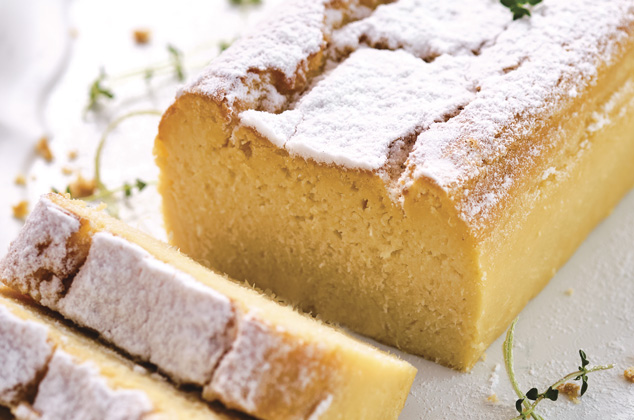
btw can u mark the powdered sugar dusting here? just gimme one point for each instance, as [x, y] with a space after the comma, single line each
[488, 83]
[72, 390]
[150, 309]
[40, 257]
[274, 59]
[427, 28]
[64, 387]
[266, 365]
[526, 75]
[24, 352]
[380, 96]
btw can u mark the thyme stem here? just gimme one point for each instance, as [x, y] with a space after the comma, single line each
[113, 125]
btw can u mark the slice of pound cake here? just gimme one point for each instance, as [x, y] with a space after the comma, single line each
[199, 328]
[49, 371]
[416, 171]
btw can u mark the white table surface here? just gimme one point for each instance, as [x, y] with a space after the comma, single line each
[50, 52]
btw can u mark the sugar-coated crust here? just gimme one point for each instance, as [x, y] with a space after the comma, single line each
[265, 68]
[506, 80]
[43, 255]
[161, 315]
[39, 381]
[24, 354]
[72, 390]
[194, 334]
[266, 366]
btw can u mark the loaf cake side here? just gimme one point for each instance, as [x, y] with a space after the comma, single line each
[75, 377]
[426, 184]
[199, 328]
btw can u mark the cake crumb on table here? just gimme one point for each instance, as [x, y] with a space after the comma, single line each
[628, 374]
[43, 150]
[21, 210]
[72, 154]
[20, 180]
[570, 390]
[142, 36]
[569, 291]
[493, 398]
[82, 187]
[67, 170]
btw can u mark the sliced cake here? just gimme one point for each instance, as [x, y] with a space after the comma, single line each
[199, 328]
[417, 171]
[50, 371]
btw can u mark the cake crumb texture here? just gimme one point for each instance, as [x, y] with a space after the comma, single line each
[43, 150]
[428, 158]
[21, 210]
[197, 327]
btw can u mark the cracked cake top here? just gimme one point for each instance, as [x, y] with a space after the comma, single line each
[447, 92]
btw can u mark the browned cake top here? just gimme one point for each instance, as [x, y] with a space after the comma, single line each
[450, 92]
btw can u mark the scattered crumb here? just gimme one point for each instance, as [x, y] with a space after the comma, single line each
[493, 398]
[569, 291]
[67, 170]
[20, 180]
[82, 187]
[629, 374]
[21, 209]
[33, 177]
[483, 357]
[570, 390]
[72, 154]
[142, 36]
[43, 150]
[101, 206]
[73, 32]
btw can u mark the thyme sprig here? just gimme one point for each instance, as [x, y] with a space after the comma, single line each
[176, 57]
[101, 191]
[520, 8]
[525, 408]
[245, 2]
[98, 92]
[101, 91]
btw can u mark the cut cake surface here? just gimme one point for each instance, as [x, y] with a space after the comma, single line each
[50, 371]
[199, 328]
[416, 170]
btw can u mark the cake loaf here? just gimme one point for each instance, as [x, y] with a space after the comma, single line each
[197, 327]
[416, 171]
[50, 371]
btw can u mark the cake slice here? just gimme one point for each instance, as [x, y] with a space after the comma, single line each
[416, 172]
[50, 371]
[199, 328]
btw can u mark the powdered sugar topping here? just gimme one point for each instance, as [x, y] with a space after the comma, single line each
[381, 96]
[484, 84]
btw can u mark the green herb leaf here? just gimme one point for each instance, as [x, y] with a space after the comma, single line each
[223, 45]
[518, 7]
[177, 61]
[551, 394]
[518, 405]
[245, 2]
[584, 358]
[127, 189]
[584, 387]
[97, 91]
[532, 394]
[140, 184]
